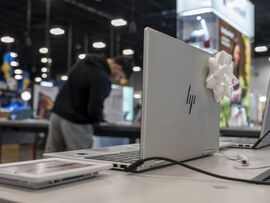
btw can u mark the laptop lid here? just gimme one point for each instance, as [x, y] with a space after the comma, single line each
[265, 141]
[180, 117]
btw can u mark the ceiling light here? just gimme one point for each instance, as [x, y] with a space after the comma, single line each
[44, 60]
[44, 75]
[26, 95]
[136, 68]
[14, 63]
[269, 59]
[18, 77]
[128, 52]
[18, 71]
[44, 70]
[38, 79]
[7, 39]
[57, 31]
[13, 54]
[82, 56]
[262, 98]
[99, 45]
[46, 84]
[64, 77]
[137, 96]
[198, 17]
[43, 50]
[261, 49]
[118, 22]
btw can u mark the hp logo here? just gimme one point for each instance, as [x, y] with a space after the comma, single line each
[190, 99]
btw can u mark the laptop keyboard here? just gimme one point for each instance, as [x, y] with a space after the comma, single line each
[124, 157]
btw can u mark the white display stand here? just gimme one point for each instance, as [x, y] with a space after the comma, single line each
[171, 184]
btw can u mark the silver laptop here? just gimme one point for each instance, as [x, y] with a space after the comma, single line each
[180, 119]
[254, 143]
[49, 172]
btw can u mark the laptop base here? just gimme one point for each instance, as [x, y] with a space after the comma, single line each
[46, 184]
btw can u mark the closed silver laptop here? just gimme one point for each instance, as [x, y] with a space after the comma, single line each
[180, 119]
[43, 173]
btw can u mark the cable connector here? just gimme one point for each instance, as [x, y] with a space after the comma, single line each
[134, 166]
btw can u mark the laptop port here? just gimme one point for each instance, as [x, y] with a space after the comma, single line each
[122, 166]
[82, 153]
[241, 145]
[247, 145]
[114, 165]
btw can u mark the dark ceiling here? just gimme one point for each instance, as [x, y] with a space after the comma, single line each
[89, 21]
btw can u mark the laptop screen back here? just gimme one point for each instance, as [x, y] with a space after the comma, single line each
[180, 117]
[266, 121]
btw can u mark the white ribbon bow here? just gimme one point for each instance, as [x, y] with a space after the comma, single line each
[221, 78]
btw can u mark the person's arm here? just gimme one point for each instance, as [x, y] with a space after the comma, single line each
[100, 89]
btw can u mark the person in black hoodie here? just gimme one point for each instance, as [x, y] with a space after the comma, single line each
[79, 103]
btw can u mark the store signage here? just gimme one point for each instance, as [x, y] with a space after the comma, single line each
[239, 6]
[226, 36]
[190, 99]
[237, 13]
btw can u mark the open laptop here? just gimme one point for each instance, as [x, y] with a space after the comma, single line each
[48, 172]
[254, 143]
[180, 118]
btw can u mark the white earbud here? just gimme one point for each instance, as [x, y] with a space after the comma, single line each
[243, 159]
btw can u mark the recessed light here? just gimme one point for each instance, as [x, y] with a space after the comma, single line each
[57, 31]
[128, 52]
[262, 98]
[44, 75]
[99, 45]
[44, 60]
[14, 63]
[18, 71]
[198, 17]
[18, 77]
[64, 77]
[26, 95]
[43, 50]
[7, 39]
[81, 56]
[136, 68]
[38, 79]
[137, 96]
[13, 54]
[44, 70]
[261, 49]
[118, 22]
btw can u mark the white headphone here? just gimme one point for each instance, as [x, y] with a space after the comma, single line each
[242, 162]
[242, 159]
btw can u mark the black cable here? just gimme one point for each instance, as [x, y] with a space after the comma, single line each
[135, 165]
[260, 140]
